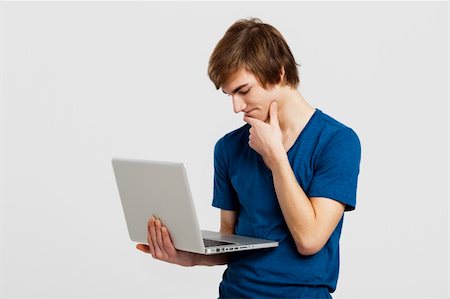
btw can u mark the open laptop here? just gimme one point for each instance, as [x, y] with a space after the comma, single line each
[148, 188]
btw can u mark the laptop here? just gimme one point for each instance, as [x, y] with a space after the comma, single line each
[148, 188]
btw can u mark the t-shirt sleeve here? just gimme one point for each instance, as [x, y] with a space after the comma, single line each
[337, 169]
[225, 196]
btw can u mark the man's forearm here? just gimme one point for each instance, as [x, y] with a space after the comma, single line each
[297, 209]
[311, 221]
[212, 260]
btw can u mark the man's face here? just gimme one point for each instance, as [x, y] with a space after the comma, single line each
[249, 96]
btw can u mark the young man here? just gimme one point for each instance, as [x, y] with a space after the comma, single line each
[288, 175]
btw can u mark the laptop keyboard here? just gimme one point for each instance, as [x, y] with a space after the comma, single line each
[212, 243]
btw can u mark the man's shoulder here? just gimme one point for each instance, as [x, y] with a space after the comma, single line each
[330, 123]
[236, 135]
[333, 129]
[232, 142]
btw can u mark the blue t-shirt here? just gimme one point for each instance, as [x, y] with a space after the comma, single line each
[325, 160]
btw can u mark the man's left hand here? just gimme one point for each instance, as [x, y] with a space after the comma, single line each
[266, 137]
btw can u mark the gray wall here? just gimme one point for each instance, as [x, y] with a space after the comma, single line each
[82, 82]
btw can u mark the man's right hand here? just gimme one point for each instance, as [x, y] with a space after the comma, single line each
[160, 246]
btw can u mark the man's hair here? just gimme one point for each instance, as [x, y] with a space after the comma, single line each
[257, 47]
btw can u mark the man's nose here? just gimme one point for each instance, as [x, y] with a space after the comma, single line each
[238, 104]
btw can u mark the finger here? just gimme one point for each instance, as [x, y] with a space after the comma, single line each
[170, 249]
[159, 239]
[143, 247]
[155, 242]
[274, 113]
[251, 137]
[251, 121]
[149, 236]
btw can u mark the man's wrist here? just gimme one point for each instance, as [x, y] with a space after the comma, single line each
[278, 160]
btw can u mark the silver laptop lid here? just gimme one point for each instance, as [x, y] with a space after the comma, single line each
[158, 188]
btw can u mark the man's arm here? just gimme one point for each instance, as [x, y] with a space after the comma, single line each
[160, 245]
[311, 221]
[227, 222]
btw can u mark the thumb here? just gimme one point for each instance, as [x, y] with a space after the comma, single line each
[274, 113]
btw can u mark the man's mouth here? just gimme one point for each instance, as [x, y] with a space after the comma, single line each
[247, 113]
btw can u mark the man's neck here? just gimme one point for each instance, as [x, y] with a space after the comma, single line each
[293, 112]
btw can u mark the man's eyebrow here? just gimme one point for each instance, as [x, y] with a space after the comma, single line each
[236, 89]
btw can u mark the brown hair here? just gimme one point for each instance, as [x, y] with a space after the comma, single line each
[259, 48]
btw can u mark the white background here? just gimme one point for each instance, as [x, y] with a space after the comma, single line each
[83, 82]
